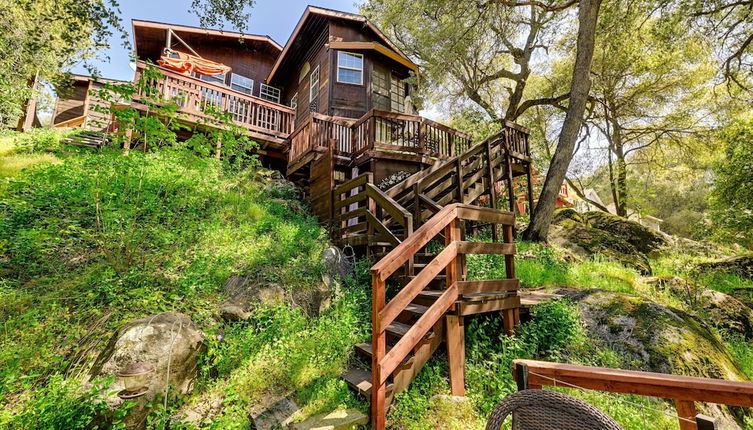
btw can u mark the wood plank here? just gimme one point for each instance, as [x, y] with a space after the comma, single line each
[385, 232]
[418, 283]
[355, 182]
[398, 256]
[486, 248]
[456, 353]
[496, 216]
[489, 286]
[686, 413]
[398, 213]
[403, 347]
[350, 200]
[651, 384]
[471, 308]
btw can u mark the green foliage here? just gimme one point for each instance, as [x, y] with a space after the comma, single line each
[732, 198]
[64, 404]
[103, 236]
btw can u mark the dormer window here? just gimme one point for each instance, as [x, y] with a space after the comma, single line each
[349, 68]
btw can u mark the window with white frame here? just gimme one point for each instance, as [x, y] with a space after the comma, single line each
[242, 84]
[215, 79]
[349, 68]
[314, 85]
[294, 101]
[270, 93]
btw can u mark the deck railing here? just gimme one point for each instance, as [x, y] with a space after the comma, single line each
[684, 390]
[449, 260]
[195, 96]
[407, 133]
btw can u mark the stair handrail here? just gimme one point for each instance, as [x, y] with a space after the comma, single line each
[383, 314]
[421, 175]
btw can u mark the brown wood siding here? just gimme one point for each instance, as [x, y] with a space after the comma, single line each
[70, 103]
[317, 55]
[248, 58]
[98, 117]
[322, 182]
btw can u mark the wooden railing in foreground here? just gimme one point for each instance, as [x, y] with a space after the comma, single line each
[684, 390]
[193, 96]
[451, 261]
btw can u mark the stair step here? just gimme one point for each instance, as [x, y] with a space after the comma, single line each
[416, 309]
[474, 297]
[400, 329]
[360, 381]
[366, 350]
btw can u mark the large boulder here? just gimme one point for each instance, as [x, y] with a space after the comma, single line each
[741, 265]
[722, 310]
[244, 292]
[169, 341]
[655, 338]
[590, 233]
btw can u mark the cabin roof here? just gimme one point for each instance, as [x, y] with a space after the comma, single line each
[314, 16]
[154, 25]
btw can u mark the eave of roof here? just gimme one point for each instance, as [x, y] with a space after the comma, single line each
[198, 30]
[332, 14]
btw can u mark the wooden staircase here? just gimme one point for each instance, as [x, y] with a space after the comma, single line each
[435, 295]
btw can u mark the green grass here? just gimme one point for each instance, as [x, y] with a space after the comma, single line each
[100, 233]
[17, 154]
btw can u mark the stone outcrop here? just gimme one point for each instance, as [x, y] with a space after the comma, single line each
[616, 238]
[722, 310]
[169, 341]
[655, 338]
[741, 265]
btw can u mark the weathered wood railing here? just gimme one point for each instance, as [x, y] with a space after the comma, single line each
[684, 390]
[363, 214]
[314, 134]
[466, 177]
[407, 133]
[194, 96]
[451, 262]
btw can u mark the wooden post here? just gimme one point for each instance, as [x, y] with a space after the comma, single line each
[492, 190]
[529, 179]
[686, 411]
[510, 190]
[512, 316]
[218, 147]
[454, 323]
[378, 345]
[459, 174]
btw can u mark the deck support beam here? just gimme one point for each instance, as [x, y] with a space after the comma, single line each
[456, 353]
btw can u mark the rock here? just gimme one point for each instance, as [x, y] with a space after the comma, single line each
[655, 338]
[244, 292]
[586, 242]
[169, 341]
[723, 310]
[275, 185]
[741, 265]
[275, 414]
[642, 238]
[337, 266]
[343, 419]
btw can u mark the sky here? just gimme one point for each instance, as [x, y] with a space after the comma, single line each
[275, 18]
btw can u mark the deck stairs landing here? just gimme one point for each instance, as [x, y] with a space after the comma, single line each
[416, 231]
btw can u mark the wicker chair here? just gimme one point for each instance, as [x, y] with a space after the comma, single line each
[545, 410]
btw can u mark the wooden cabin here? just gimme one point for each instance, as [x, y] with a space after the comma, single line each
[77, 105]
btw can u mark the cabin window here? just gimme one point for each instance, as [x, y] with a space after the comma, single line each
[270, 93]
[294, 101]
[241, 83]
[380, 84]
[397, 95]
[349, 68]
[215, 79]
[314, 85]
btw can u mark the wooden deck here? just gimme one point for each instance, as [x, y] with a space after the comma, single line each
[265, 121]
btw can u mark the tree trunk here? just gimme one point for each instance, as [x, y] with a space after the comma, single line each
[580, 86]
[621, 191]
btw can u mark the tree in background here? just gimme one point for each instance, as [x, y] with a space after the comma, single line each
[483, 53]
[652, 81]
[732, 196]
